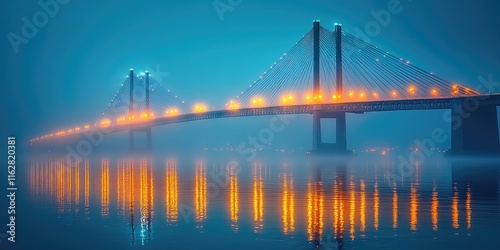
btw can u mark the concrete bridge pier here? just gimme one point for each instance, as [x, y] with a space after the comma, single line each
[340, 145]
[147, 140]
[474, 129]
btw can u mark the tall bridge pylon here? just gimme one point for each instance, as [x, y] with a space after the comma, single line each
[340, 144]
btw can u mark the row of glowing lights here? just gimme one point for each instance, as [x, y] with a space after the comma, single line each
[120, 121]
[289, 99]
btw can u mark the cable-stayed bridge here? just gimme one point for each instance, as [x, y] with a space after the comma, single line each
[326, 74]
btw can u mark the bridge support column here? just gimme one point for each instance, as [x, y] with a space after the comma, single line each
[134, 143]
[134, 146]
[474, 132]
[340, 146]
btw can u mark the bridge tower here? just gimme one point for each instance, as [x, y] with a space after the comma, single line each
[474, 131]
[340, 146]
[135, 129]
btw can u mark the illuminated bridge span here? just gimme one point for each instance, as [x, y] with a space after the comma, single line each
[326, 74]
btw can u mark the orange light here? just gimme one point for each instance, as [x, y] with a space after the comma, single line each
[351, 94]
[105, 122]
[315, 98]
[288, 100]
[434, 92]
[86, 127]
[257, 102]
[198, 108]
[394, 93]
[171, 112]
[362, 95]
[233, 105]
[147, 115]
[375, 94]
[411, 90]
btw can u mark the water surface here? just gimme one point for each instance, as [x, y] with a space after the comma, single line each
[166, 202]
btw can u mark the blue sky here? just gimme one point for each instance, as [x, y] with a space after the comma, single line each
[68, 72]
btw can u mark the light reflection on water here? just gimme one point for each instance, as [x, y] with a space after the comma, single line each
[296, 204]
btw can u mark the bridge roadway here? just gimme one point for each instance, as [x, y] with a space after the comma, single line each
[348, 107]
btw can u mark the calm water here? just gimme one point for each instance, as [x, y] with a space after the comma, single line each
[283, 203]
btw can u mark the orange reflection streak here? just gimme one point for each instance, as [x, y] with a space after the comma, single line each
[119, 185]
[105, 187]
[395, 207]
[454, 207]
[233, 198]
[34, 178]
[49, 180]
[130, 178]
[69, 189]
[44, 182]
[123, 179]
[315, 212]
[338, 209]
[52, 181]
[375, 206]
[60, 186]
[77, 186]
[86, 188]
[352, 208]
[435, 209]
[31, 179]
[171, 191]
[413, 208]
[468, 209]
[362, 209]
[42, 179]
[201, 192]
[288, 204]
[146, 199]
[258, 197]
